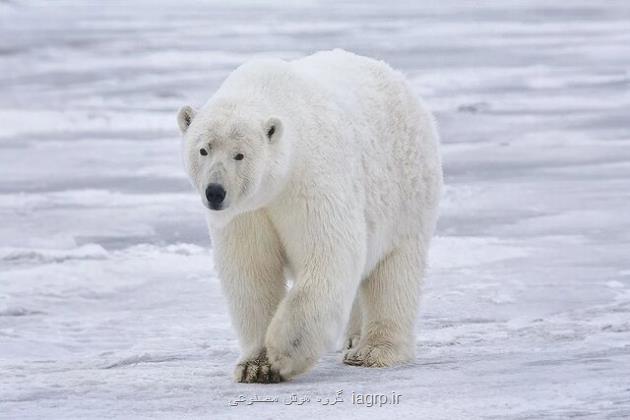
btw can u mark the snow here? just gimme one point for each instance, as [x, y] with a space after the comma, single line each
[109, 303]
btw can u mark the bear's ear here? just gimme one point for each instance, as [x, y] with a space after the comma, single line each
[185, 117]
[273, 129]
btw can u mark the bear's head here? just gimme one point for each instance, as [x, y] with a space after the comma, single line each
[235, 156]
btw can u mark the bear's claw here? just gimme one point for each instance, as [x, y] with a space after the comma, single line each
[257, 370]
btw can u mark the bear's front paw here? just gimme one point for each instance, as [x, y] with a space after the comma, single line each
[257, 370]
[290, 361]
[376, 355]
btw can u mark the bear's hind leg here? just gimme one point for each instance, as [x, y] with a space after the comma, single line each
[390, 298]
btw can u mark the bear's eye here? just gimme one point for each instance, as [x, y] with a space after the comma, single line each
[271, 130]
[239, 156]
[203, 152]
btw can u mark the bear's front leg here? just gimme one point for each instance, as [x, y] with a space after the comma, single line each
[250, 263]
[310, 318]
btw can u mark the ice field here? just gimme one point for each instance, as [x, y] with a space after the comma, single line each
[109, 302]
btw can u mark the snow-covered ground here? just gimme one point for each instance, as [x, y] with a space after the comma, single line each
[109, 303]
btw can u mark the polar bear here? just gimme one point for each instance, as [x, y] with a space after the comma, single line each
[321, 179]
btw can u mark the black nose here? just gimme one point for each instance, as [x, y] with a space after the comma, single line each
[215, 193]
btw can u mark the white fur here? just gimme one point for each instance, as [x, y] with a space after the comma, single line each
[342, 199]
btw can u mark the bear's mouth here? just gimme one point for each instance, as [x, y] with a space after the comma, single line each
[214, 206]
